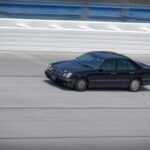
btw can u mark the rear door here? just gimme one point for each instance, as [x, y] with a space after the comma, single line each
[126, 71]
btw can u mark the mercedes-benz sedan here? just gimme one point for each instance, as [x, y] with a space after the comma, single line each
[100, 70]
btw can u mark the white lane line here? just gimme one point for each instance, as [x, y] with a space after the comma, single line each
[23, 25]
[65, 29]
[114, 28]
[56, 26]
[85, 27]
[145, 29]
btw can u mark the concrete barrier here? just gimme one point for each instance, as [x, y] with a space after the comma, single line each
[73, 36]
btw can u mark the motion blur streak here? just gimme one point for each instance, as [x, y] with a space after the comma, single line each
[74, 36]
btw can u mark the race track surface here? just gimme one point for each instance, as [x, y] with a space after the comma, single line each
[37, 114]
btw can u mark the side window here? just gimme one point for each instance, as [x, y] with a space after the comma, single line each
[124, 65]
[109, 65]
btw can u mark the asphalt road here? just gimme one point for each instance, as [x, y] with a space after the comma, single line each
[36, 114]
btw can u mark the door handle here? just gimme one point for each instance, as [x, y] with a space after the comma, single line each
[113, 73]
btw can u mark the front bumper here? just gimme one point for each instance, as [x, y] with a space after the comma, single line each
[67, 82]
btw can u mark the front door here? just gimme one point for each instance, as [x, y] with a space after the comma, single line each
[104, 77]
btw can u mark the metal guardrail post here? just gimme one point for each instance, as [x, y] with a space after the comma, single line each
[84, 15]
[125, 11]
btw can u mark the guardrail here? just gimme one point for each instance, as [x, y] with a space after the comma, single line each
[73, 36]
[74, 11]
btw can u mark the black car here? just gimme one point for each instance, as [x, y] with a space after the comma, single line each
[100, 70]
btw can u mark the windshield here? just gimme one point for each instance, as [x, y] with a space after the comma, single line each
[89, 60]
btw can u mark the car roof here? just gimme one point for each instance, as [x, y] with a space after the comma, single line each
[107, 55]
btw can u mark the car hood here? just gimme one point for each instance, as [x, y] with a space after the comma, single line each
[70, 66]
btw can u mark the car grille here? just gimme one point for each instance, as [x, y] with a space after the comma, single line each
[57, 72]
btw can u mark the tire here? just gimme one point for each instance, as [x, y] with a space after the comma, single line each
[135, 85]
[81, 84]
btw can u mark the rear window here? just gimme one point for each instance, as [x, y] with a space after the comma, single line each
[124, 65]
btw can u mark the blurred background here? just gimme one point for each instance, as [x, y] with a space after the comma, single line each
[75, 25]
[99, 10]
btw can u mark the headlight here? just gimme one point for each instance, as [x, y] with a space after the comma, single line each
[64, 75]
[50, 67]
[68, 75]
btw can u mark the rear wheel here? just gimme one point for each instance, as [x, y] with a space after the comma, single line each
[135, 85]
[81, 84]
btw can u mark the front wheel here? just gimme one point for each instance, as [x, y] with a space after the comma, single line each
[135, 85]
[81, 84]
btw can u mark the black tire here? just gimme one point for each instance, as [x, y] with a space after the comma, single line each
[81, 84]
[135, 85]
